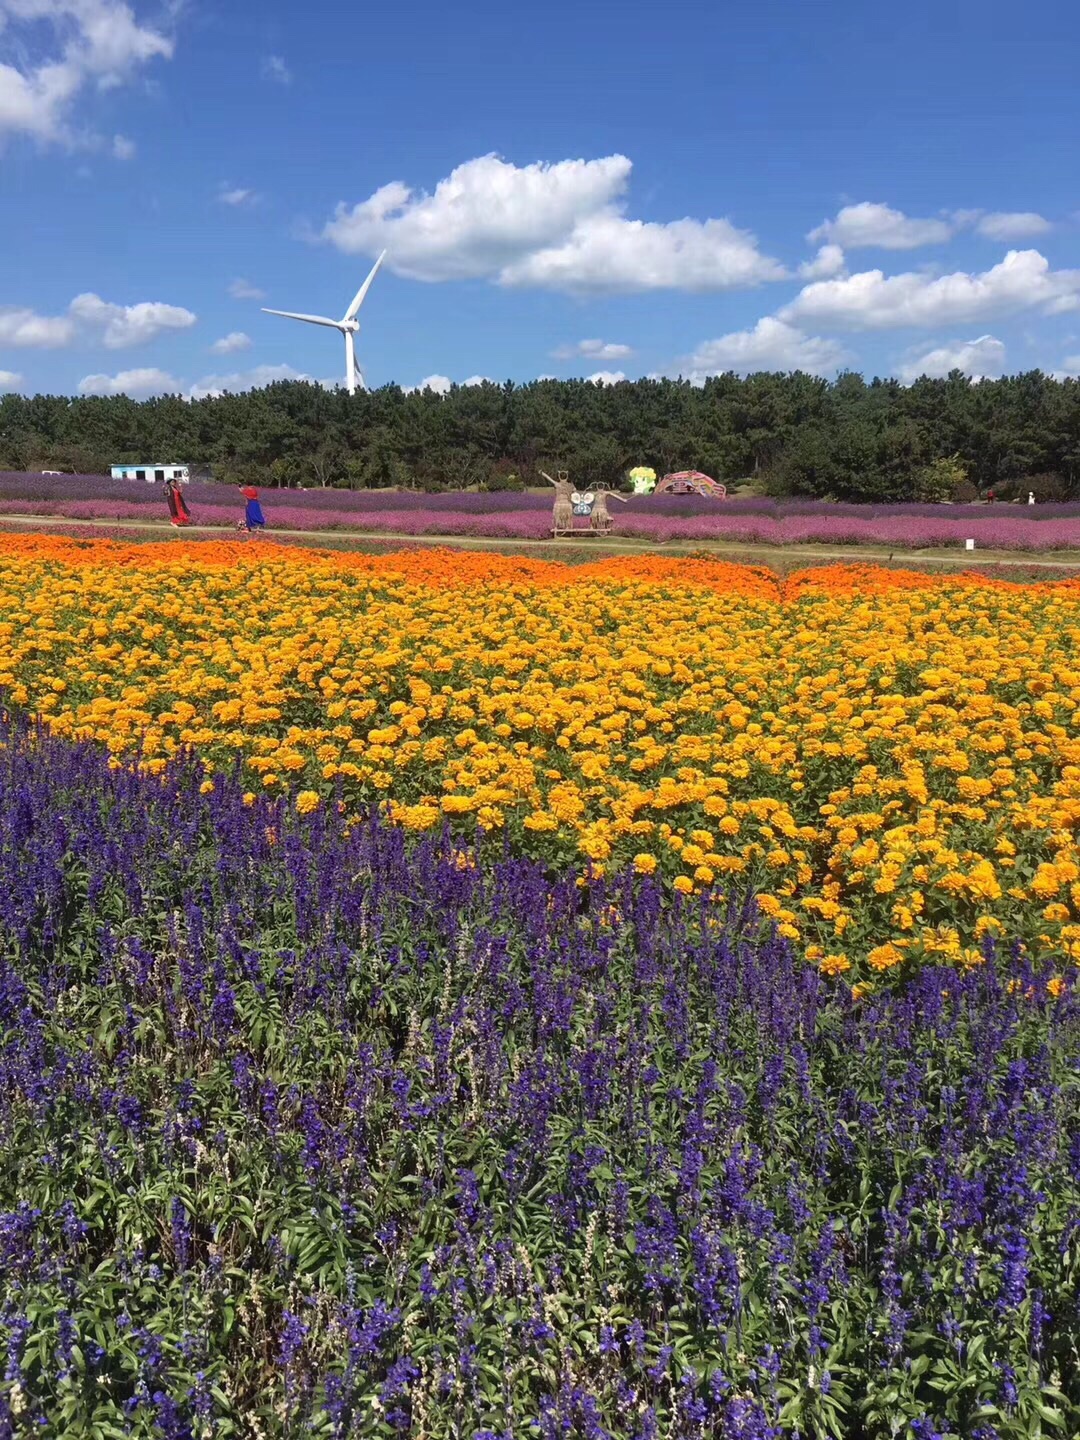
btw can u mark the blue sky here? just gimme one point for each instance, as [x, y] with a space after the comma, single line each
[563, 190]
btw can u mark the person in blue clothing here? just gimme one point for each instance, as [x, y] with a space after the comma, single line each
[254, 519]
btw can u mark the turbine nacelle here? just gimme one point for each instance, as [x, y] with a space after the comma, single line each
[348, 326]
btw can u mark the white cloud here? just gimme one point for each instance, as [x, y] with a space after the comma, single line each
[58, 49]
[25, 328]
[984, 357]
[560, 226]
[150, 381]
[239, 381]
[124, 325]
[476, 380]
[828, 262]
[592, 350]
[607, 253]
[484, 215]
[879, 227]
[870, 300]
[274, 68]
[236, 195]
[606, 377]
[229, 344]
[136, 383]
[1012, 225]
[123, 148]
[90, 317]
[9, 380]
[440, 384]
[771, 345]
[244, 290]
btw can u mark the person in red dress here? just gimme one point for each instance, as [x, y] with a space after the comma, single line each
[174, 498]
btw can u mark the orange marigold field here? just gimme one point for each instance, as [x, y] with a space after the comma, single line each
[891, 760]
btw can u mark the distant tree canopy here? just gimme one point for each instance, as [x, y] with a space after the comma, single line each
[848, 439]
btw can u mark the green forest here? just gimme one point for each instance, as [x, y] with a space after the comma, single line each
[847, 439]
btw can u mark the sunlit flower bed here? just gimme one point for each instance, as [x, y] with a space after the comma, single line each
[310, 1128]
[891, 763]
[505, 515]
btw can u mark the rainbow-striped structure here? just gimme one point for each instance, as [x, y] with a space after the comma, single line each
[691, 482]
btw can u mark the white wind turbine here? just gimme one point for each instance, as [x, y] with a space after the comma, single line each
[348, 325]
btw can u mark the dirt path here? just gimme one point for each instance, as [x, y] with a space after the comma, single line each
[746, 553]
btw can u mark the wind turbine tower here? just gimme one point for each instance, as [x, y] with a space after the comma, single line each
[348, 325]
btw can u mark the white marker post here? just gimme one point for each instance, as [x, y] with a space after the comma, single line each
[969, 544]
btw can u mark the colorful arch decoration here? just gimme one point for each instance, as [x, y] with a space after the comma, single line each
[691, 482]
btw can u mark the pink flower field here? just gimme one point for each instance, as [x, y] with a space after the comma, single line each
[528, 516]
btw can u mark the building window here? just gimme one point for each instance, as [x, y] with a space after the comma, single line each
[140, 474]
[159, 474]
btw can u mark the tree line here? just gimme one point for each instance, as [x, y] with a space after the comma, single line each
[848, 439]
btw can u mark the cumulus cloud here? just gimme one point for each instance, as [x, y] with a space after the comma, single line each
[607, 253]
[89, 318]
[124, 325]
[138, 384]
[235, 195]
[771, 345]
[592, 350]
[476, 380]
[23, 327]
[828, 261]
[123, 148]
[439, 384]
[9, 380]
[150, 381]
[558, 226]
[274, 68]
[241, 380]
[606, 377]
[59, 49]
[229, 344]
[1012, 225]
[244, 290]
[870, 300]
[981, 358]
[872, 226]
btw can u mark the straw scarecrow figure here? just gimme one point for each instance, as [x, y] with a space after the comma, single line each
[600, 519]
[562, 517]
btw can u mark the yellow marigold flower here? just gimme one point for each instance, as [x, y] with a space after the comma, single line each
[683, 884]
[1056, 986]
[306, 801]
[645, 864]
[540, 820]
[249, 797]
[884, 957]
[1056, 911]
[206, 788]
[834, 964]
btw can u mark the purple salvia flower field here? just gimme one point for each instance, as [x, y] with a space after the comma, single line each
[312, 1129]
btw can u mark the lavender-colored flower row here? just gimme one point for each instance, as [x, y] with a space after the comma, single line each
[1002, 529]
[29, 487]
[302, 1123]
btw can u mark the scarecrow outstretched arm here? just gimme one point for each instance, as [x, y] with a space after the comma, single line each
[548, 478]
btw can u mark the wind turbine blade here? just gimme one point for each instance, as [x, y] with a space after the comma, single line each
[311, 319]
[358, 298]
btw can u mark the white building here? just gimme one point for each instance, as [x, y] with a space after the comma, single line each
[151, 473]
